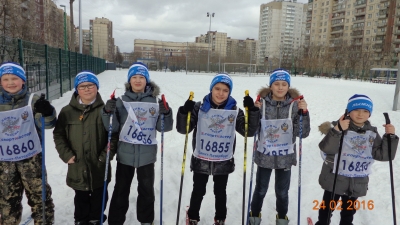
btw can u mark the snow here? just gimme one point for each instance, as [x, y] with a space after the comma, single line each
[326, 98]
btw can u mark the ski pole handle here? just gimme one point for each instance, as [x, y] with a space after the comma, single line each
[42, 96]
[300, 110]
[113, 95]
[258, 98]
[164, 101]
[246, 93]
[191, 96]
[386, 117]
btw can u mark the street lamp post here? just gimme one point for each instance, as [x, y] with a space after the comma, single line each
[80, 27]
[65, 28]
[209, 40]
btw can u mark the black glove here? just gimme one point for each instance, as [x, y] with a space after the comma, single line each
[162, 109]
[189, 106]
[249, 103]
[111, 104]
[43, 106]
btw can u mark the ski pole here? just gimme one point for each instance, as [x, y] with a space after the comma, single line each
[107, 162]
[42, 97]
[391, 169]
[184, 160]
[300, 153]
[337, 169]
[246, 129]
[251, 173]
[162, 156]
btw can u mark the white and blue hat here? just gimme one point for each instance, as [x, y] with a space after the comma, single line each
[12, 68]
[86, 76]
[222, 78]
[138, 68]
[279, 74]
[359, 102]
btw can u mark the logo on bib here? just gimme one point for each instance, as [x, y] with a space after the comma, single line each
[140, 115]
[152, 111]
[216, 125]
[231, 118]
[10, 125]
[371, 140]
[271, 133]
[284, 127]
[24, 115]
[358, 144]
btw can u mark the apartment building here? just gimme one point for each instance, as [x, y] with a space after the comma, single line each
[281, 28]
[372, 24]
[102, 38]
[154, 49]
[222, 45]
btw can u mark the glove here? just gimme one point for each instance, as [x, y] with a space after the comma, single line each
[189, 106]
[43, 106]
[249, 103]
[162, 108]
[111, 105]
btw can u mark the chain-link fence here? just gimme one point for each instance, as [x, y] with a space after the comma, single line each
[48, 70]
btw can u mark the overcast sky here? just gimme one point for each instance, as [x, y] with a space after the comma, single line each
[171, 20]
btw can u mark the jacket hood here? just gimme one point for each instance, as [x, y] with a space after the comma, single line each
[151, 87]
[326, 126]
[20, 95]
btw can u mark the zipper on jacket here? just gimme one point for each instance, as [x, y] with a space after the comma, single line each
[212, 167]
[84, 111]
[277, 109]
[12, 101]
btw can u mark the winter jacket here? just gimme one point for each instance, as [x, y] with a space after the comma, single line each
[280, 110]
[86, 139]
[14, 101]
[221, 167]
[350, 186]
[136, 155]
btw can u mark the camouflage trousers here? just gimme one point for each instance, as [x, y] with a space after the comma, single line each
[17, 177]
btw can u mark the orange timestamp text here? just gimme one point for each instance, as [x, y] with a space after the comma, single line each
[352, 205]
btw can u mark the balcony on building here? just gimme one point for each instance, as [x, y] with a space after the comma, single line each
[382, 24]
[397, 22]
[378, 41]
[396, 41]
[380, 33]
[356, 27]
[397, 32]
[357, 34]
[359, 12]
[339, 8]
[337, 30]
[360, 4]
[398, 5]
[377, 58]
[383, 1]
[378, 50]
[397, 49]
[337, 24]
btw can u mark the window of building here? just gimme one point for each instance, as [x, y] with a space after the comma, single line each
[320, 24]
[324, 36]
[375, 31]
[323, 4]
[348, 13]
[324, 30]
[325, 23]
[347, 20]
[326, 16]
[327, 3]
[367, 39]
[371, 0]
[368, 24]
[369, 16]
[371, 7]
[349, 5]
[367, 31]
[346, 27]
[345, 35]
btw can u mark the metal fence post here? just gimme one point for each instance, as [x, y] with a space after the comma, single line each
[46, 55]
[60, 69]
[21, 53]
[69, 70]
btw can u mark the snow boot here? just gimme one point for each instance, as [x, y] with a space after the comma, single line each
[94, 222]
[219, 222]
[255, 220]
[83, 222]
[193, 222]
[284, 221]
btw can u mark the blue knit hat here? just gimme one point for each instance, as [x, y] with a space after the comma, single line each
[86, 76]
[138, 68]
[222, 78]
[279, 74]
[359, 102]
[12, 68]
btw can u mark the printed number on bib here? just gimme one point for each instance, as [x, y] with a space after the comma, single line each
[215, 146]
[16, 149]
[277, 152]
[139, 136]
[355, 166]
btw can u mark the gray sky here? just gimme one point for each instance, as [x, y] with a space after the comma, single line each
[171, 20]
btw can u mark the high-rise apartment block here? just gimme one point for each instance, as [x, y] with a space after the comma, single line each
[102, 38]
[281, 28]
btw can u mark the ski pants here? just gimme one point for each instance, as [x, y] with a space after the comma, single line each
[199, 190]
[282, 184]
[17, 177]
[88, 204]
[347, 209]
[120, 199]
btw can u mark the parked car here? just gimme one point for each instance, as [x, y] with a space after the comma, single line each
[336, 75]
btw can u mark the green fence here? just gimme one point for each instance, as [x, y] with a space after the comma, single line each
[48, 70]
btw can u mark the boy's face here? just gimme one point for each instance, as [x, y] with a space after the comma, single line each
[11, 83]
[279, 89]
[138, 83]
[87, 91]
[219, 93]
[359, 116]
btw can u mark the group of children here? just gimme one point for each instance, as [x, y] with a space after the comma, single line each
[81, 139]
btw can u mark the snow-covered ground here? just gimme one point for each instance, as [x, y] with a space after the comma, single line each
[326, 99]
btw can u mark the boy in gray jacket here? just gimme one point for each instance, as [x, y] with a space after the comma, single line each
[361, 145]
[137, 117]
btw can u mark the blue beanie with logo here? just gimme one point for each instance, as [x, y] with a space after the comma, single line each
[279, 74]
[12, 68]
[86, 76]
[360, 102]
[139, 68]
[222, 78]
